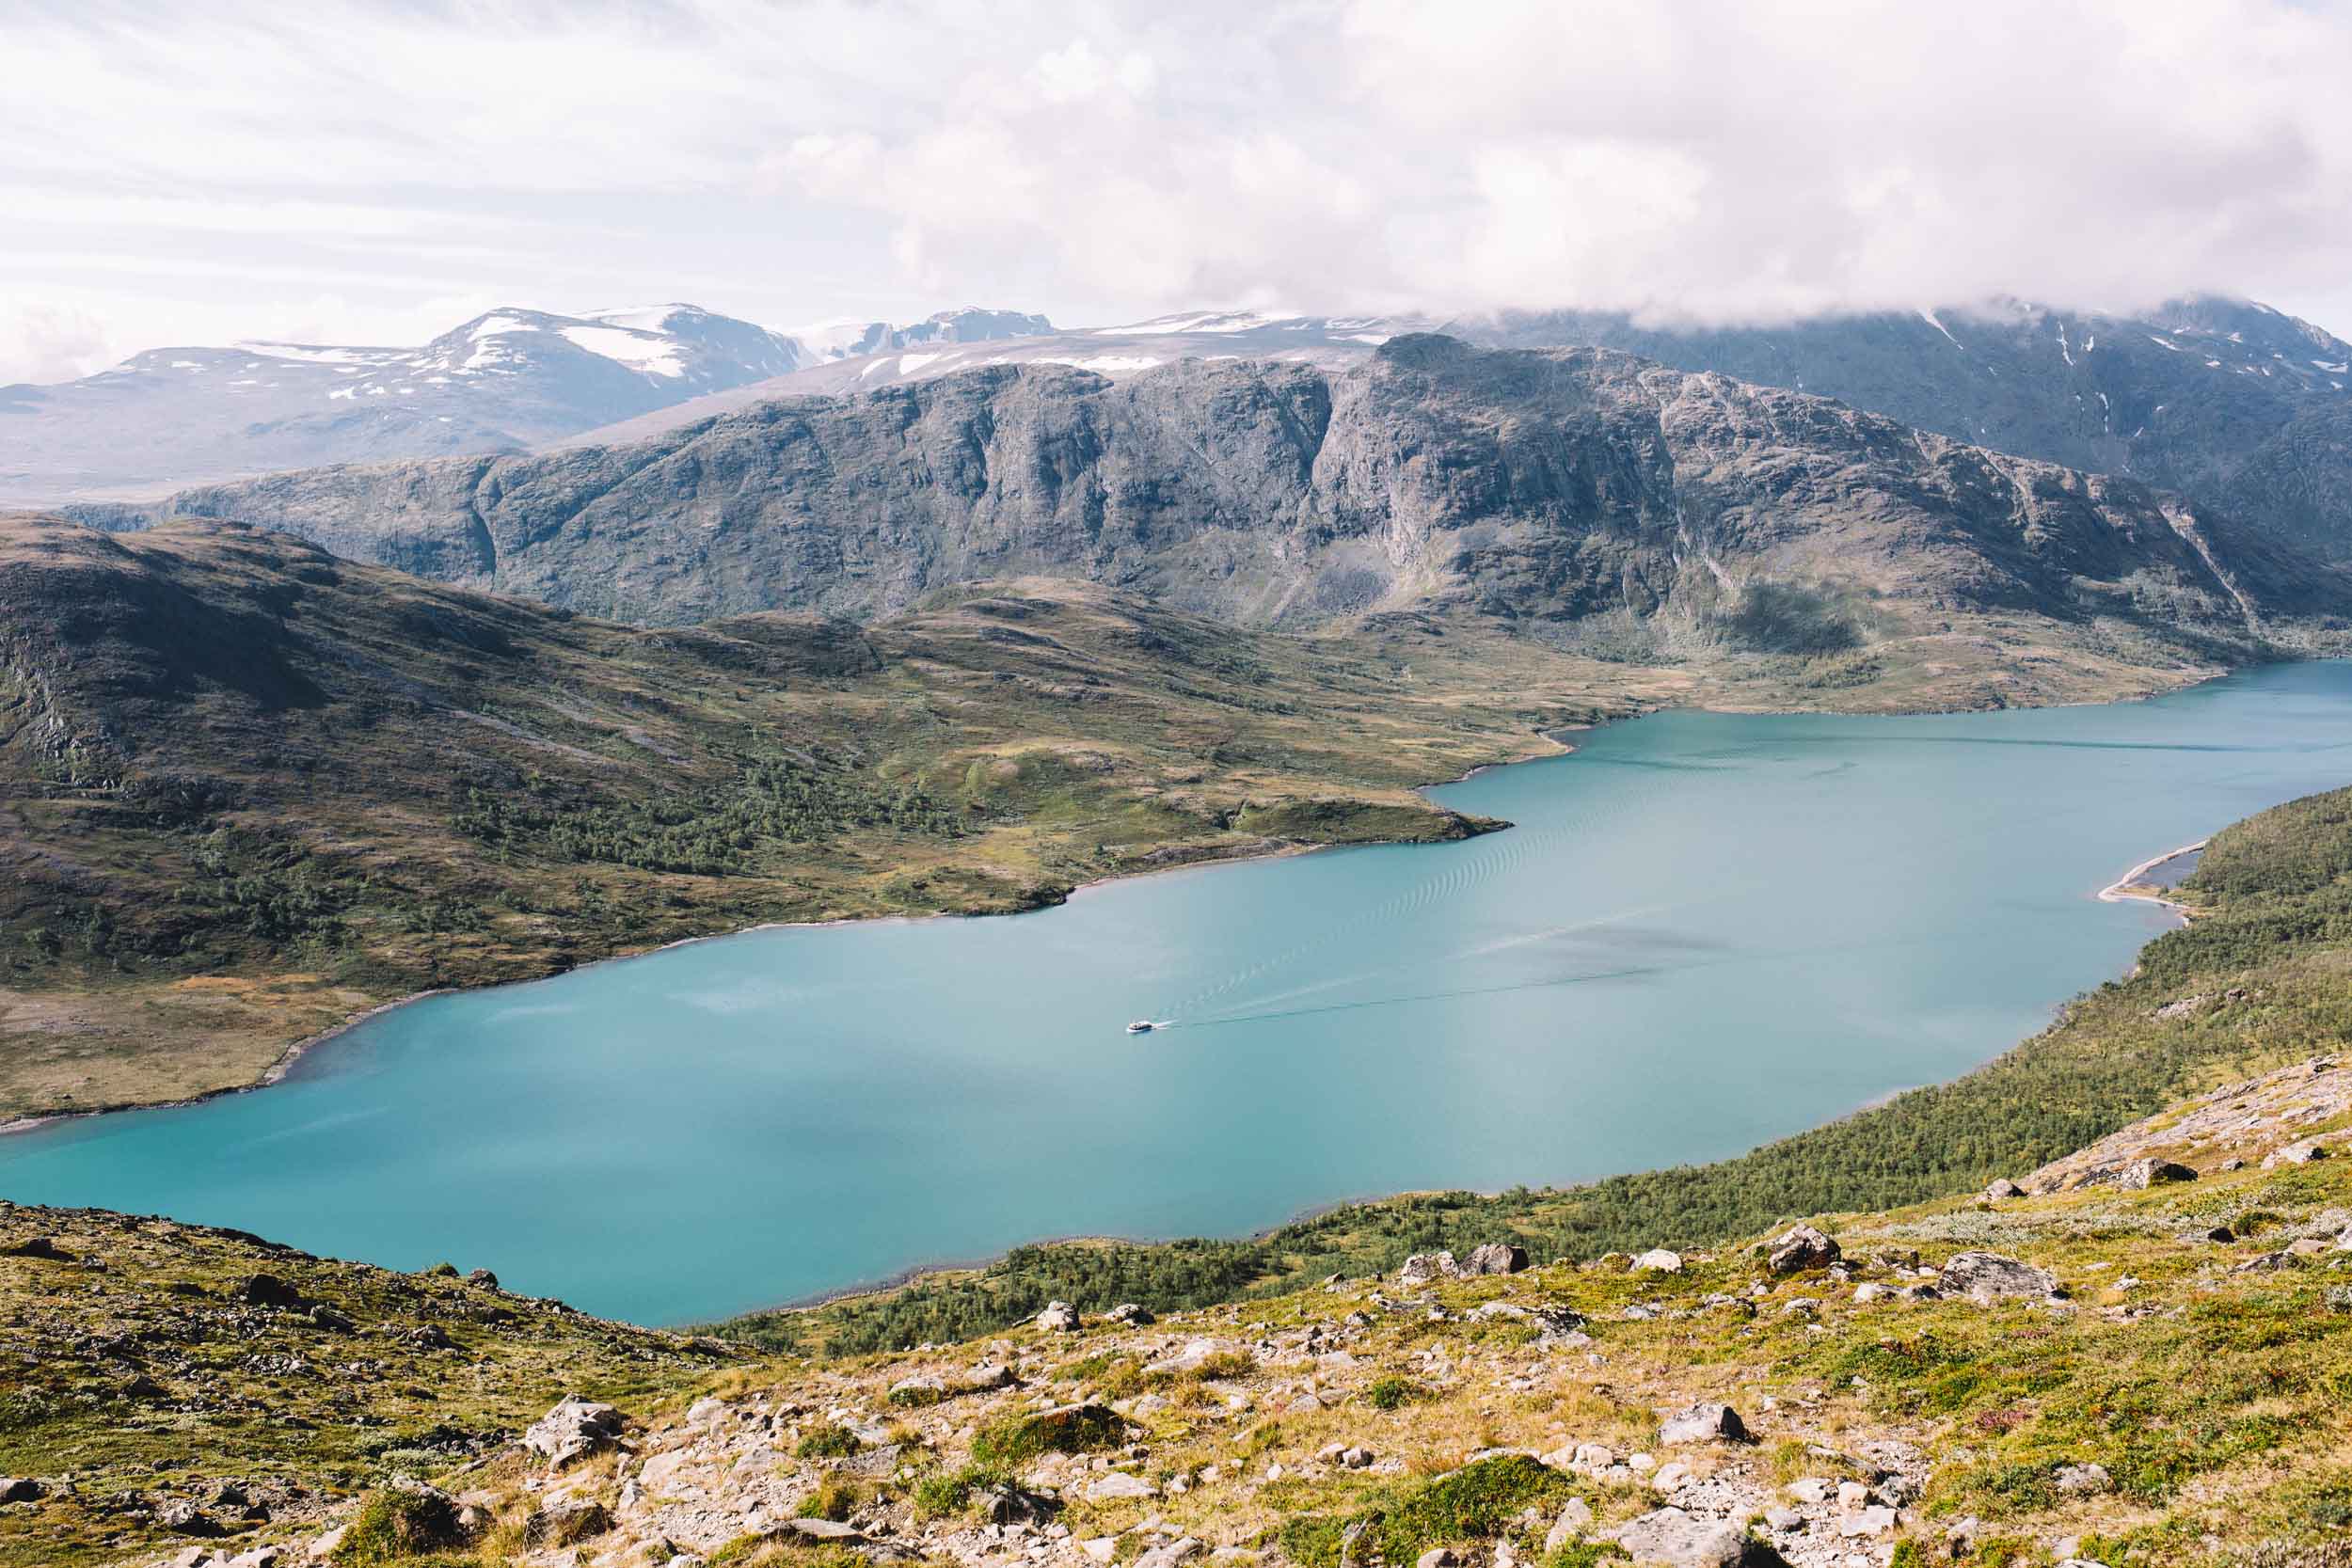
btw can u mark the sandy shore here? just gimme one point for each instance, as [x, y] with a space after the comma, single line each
[2119, 890]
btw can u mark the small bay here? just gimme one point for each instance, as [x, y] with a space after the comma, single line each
[1705, 931]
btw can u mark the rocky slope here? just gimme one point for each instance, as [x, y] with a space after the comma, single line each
[2110, 1375]
[1581, 492]
[2236, 405]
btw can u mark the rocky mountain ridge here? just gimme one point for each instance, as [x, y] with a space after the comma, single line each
[1551, 488]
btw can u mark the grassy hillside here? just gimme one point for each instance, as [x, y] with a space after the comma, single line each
[248, 790]
[155, 1368]
[2170, 1391]
[2270, 952]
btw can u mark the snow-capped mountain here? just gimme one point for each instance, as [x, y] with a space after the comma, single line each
[508, 379]
[822, 343]
[868, 360]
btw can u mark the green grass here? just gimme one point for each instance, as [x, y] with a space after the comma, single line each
[1476, 1504]
[1016, 1440]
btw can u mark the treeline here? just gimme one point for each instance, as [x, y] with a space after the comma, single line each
[775, 797]
[2274, 892]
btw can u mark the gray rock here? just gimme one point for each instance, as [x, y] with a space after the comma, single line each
[1426, 1268]
[1576, 1517]
[1657, 1260]
[2299, 1154]
[1120, 1486]
[21, 1489]
[1496, 1258]
[2082, 1479]
[2004, 1188]
[1127, 1313]
[1985, 1277]
[1182, 1549]
[1059, 1317]
[2142, 1174]
[1877, 1519]
[1704, 1423]
[563, 1521]
[185, 1517]
[573, 1430]
[1803, 1247]
[1672, 1537]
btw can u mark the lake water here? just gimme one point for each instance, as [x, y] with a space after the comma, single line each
[1706, 931]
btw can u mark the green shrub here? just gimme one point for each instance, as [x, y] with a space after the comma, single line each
[1395, 1393]
[1474, 1503]
[827, 1441]
[836, 1499]
[396, 1526]
[1073, 1429]
[942, 1493]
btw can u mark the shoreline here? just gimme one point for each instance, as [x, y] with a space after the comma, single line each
[2119, 890]
[280, 1069]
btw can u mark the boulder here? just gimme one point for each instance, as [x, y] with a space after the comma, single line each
[482, 1278]
[2301, 1153]
[1182, 1549]
[1426, 1268]
[2082, 1479]
[1127, 1313]
[2004, 1188]
[268, 1290]
[561, 1521]
[1795, 1250]
[1576, 1517]
[21, 1489]
[1704, 1423]
[573, 1430]
[37, 1247]
[1657, 1260]
[185, 1517]
[1496, 1258]
[1672, 1537]
[1120, 1486]
[1878, 1519]
[1059, 1317]
[2142, 1174]
[1985, 1277]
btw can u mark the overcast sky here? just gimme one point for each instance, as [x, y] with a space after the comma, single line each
[177, 174]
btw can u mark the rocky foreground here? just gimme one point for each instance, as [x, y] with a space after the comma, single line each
[2134, 1355]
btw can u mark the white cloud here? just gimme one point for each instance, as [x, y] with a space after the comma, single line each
[1721, 158]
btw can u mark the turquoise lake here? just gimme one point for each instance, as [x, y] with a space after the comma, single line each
[1706, 931]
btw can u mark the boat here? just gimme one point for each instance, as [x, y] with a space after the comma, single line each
[1140, 1026]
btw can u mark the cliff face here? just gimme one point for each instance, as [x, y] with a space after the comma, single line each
[1543, 485]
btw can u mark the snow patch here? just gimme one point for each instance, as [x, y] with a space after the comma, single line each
[641, 352]
[1929, 317]
[643, 318]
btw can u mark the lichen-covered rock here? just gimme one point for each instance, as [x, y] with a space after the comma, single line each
[2142, 1174]
[573, 1430]
[1985, 1277]
[1426, 1268]
[1704, 1423]
[1496, 1258]
[563, 1521]
[1672, 1537]
[1803, 1247]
